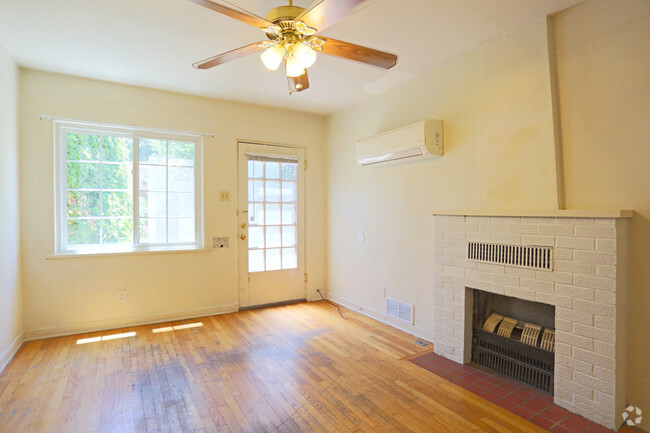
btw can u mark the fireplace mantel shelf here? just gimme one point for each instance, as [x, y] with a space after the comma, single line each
[561, 213]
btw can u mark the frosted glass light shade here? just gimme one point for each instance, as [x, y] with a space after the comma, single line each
[272, 57]
[304, 55]
[293, 67]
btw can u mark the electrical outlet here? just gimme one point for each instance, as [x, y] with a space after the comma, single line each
[382, 291]
[121, 296]
[220, 242]
[225, 195]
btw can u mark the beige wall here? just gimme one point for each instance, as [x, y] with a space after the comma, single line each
[603, 54]
[11, 321]
[65, 295]
[499, 153]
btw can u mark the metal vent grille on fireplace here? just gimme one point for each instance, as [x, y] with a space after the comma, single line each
[524, 256]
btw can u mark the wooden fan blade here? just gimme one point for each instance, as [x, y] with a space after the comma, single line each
[248, 18]
[357, 53]
[298, 84]
[328, 12]
[228, 56]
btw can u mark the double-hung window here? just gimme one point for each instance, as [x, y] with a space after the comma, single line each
[120, 190]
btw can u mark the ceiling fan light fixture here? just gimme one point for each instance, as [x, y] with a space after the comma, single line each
[272, 57]
[304, 55]
[291, 33]
[293, 67]
[316, 43]
[272, 30]
[302, 28]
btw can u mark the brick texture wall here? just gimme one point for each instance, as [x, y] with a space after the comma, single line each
[587, 286]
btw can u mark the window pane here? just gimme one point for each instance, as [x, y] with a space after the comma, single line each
[83, 204]
[273, 214]
[255, 169]
[255, 214]
[273, 237]
[288, 214]
[288, 191]
[99, 189]
[167, 185]
[273, 170]
[289, 171]
[256, 237]
[152, 230]
[181, 204]
[255, 260]
[93, 186]
[83, 232]
[153, 178]
[273, 261]
[152, 204]
[152, 151]
[288, 236]
[255, 190]
[181, 179]
[117, 149]
[289, 258]
[272, 190]
[181, 154]
[117, 203]
[116, 176]
[83, 175]
[181, 230]
[117, 230]
[82, 147]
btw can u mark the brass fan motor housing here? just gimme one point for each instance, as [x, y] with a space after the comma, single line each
[283, 13]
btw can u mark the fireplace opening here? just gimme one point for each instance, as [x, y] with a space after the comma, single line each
[515, 338]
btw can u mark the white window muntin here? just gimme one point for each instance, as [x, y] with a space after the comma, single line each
[264, 202]
[62, 128]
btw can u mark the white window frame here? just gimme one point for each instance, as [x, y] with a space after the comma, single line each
[61, 128]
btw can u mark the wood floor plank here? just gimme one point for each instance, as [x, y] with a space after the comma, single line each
[295, 368]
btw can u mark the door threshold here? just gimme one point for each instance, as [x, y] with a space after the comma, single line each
[273, 304]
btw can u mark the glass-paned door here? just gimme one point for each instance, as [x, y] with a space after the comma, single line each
[272, 222]
[271, 228]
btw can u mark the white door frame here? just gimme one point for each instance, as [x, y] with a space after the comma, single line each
[270, 150]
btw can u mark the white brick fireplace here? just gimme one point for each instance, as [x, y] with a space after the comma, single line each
[587, 285]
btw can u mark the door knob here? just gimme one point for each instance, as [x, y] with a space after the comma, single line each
[243, 236]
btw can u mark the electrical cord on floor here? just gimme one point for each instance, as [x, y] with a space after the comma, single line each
[333, 303]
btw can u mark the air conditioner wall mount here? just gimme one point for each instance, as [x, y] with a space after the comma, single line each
[421, 140]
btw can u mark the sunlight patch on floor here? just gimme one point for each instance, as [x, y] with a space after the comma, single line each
[177, 327]
[106, 337]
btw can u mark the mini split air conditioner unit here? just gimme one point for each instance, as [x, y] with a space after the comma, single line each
[422, 140]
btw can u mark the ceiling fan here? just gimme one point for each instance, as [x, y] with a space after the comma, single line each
[292, 39]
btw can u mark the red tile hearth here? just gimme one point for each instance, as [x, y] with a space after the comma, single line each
[529, 403]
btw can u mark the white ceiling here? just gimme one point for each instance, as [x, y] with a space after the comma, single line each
[153, 43]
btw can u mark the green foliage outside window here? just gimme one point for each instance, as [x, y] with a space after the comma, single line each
[99, 172]
[99, 189]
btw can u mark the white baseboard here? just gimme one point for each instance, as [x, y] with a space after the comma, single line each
[123, 322]
[382, 317]
[10, 351]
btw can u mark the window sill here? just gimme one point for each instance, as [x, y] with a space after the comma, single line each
[71, 255]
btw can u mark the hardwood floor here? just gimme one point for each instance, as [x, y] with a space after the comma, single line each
[294, 368]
